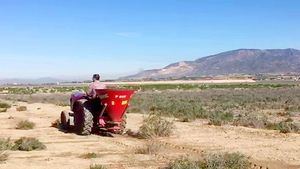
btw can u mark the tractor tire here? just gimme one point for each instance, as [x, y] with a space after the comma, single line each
[83, 118]
[64, 118]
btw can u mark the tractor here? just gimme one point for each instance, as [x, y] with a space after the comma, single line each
[105, 113]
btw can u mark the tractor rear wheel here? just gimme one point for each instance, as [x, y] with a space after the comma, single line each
[83, 118]
[64, 118]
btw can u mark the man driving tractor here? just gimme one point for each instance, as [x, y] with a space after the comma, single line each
[91, 92]
[96, 84]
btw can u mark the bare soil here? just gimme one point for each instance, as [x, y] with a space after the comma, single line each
[265, 147]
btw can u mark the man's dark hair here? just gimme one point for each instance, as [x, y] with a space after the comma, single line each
[96, 76]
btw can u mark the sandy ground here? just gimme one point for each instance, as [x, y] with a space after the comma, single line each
[266, 148]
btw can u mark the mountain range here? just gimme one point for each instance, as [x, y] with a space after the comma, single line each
[241, 61]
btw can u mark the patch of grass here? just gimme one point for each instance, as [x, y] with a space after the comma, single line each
[155, 126]
[28, 144]
[213, 161]
[97, 166]
[21, 108]
[5, 144]
[89, 155]
[149, 148]
[3, 156]
[25, 125]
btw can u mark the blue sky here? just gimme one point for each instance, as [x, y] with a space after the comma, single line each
[69, 38]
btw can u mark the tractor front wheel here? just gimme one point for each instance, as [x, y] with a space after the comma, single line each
[83, 118]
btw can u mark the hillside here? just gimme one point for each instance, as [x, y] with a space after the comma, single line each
[241, 61]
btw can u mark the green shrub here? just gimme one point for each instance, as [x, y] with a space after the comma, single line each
[155, 126]
[25, 125]
[28, 144]
[2, 110]
[97, 166]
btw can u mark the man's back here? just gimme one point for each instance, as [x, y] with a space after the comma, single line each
[93, 86]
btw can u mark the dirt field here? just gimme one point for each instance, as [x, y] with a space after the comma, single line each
[266, 147]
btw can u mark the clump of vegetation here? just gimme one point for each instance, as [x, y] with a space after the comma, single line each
[219, 118]
[28, 144]
[185, 163]
[3, 156]
[21, 108]
[155, 126]
[227, 161]
[97, 166]
[252, 120]
[2, 110]
[5, 144]
[89, 155]
[4, 107]
[150, 148]
[25, 125]
[213, 161]
[288, 127]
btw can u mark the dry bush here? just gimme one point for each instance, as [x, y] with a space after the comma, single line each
[150, 148]
[213, 161]
[155, 126]
[88, 155]
[97, 166]
[21, 108]
[25, 125]
[4, 107]
[2, 110]
[28, 144]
